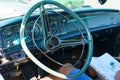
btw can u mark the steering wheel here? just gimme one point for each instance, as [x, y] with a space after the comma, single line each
[52, 42]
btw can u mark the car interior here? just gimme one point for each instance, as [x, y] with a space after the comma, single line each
[45, 38]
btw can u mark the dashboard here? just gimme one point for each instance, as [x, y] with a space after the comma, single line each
[104, 25]
[96, 19]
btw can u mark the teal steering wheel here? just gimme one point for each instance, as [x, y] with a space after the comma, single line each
[57, 43]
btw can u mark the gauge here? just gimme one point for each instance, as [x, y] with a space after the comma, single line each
[16, 29]
[36, 31]
[7, 32]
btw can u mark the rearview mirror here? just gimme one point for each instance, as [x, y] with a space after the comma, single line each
[102, 1]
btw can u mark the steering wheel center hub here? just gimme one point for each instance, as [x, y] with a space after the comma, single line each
[52, 42]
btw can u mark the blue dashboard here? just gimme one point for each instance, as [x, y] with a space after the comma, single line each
[96, 20]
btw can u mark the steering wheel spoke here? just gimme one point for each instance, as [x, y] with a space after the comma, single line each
[43, 21]
[65, 43]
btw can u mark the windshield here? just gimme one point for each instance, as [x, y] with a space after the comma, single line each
[13, 8]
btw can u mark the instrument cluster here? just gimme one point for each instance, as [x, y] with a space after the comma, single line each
[10, 34]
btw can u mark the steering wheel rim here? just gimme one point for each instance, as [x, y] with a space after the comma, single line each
[37, 62]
